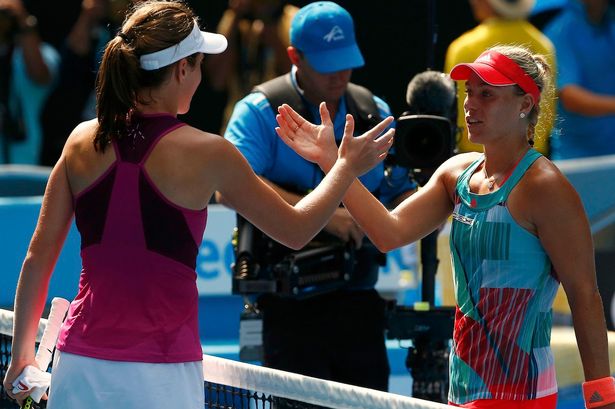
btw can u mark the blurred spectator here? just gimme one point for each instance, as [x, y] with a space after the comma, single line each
[206, 98]
[502, 22]
[72, 100]
[584, 39]
[544, 11]
[257, 31]
[27, 70]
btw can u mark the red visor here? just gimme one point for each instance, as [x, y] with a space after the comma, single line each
[498, 70]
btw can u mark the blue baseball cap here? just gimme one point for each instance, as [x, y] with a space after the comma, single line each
[324, 33]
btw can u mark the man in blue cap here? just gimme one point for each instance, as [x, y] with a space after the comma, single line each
[337, 335]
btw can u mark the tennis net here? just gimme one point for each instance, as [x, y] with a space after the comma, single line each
[229, 384]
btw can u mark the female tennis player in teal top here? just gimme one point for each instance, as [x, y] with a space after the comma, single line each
[518, 231]
[138, 182]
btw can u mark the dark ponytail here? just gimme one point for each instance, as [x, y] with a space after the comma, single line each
[115, 91]
[150, 27]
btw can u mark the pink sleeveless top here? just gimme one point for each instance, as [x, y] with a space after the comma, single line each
[137, 298]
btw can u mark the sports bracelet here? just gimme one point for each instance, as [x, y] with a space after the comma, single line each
[599, 392]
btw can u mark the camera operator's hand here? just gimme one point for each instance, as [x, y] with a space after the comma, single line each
[27, 39]
[241, 8]
[80, 39]
[343, 226]
[16, 9]
[94, 10]
[316, 143]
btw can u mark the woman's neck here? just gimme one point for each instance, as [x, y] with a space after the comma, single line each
[159, 101]
[500, 161]
[153, 108]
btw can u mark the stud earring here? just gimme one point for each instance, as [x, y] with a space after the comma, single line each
[522, 115]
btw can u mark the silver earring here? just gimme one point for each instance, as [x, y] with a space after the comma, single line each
[522, 115]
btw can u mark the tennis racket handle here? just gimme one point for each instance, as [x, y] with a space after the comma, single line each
[37, 394]
[59, 306]
[30, 404]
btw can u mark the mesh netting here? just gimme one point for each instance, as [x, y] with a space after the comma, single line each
[229, 384]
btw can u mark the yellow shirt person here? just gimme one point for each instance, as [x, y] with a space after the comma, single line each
[497, 31]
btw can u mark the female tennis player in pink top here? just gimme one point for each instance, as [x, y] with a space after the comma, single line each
[138, 182]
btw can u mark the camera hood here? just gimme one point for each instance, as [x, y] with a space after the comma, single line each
[423, 141]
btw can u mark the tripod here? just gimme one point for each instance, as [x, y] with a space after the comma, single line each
[430, 330]
[427, 359]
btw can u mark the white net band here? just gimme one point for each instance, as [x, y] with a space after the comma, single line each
[276, 383]
[304, 388]
[6, 324]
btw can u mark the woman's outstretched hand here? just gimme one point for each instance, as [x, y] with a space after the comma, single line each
[316, 143]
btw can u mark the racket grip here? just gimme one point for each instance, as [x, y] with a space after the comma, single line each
[59, 306]
[30, 404]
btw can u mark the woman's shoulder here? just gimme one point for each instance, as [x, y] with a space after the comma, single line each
[544, 195]
[82, 137]
[199, 146]
[448, 173]
[543, 171]
[544, 181]
[460, 162]
[84, 163]
[84, 129]
[194, 139]
[192, 159]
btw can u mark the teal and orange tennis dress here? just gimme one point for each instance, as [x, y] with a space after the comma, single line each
[504, 289]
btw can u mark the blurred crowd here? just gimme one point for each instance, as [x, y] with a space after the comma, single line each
[49, 53]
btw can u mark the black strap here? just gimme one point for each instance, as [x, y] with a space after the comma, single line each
[359, 101]
[361, 105]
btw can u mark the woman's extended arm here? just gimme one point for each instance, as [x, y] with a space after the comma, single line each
[47, 241]
[295, 226]
[413, 219]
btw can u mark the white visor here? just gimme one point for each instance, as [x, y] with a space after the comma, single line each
[197, 42]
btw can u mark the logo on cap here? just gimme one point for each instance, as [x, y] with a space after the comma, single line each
[335, 34]
[487, 58]
[324, 32]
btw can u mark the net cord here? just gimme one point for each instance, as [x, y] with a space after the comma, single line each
[304, 388]
[6, 324]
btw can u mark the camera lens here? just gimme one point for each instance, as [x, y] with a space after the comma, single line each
[427, 141]
[423, 141]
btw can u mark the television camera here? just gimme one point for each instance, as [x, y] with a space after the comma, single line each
[264, 266]
[422, 143]
[426, 134]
